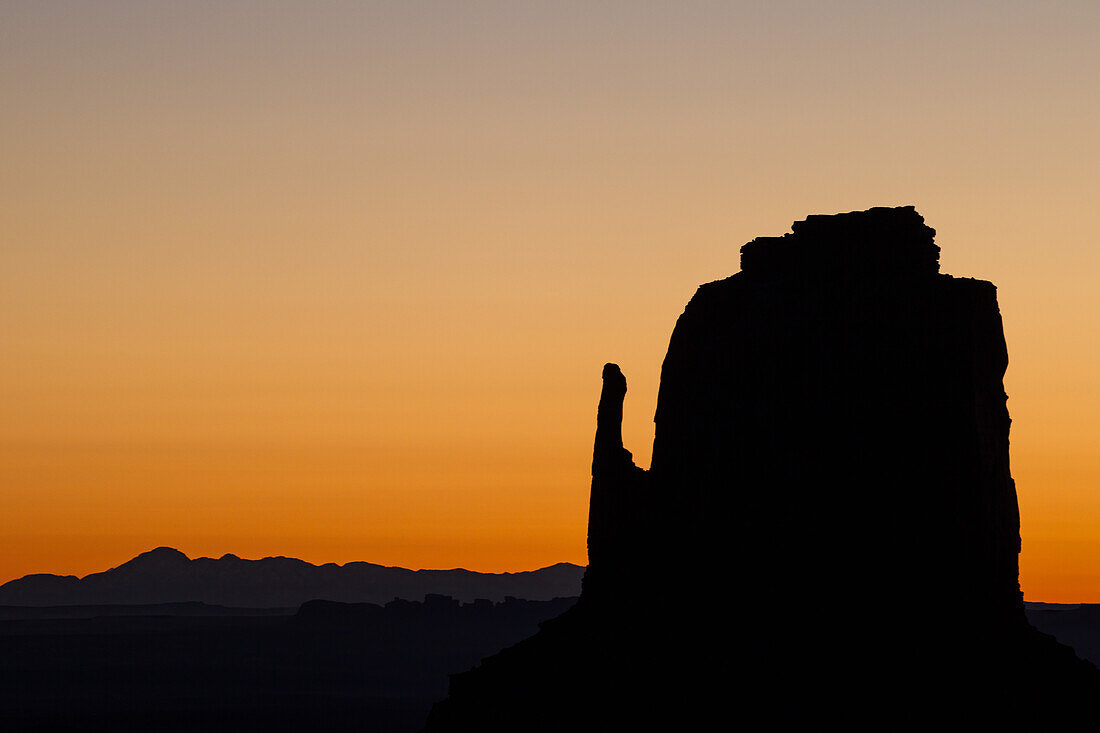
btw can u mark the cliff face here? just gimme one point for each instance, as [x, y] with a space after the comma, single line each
[831, 423]
[831, 433]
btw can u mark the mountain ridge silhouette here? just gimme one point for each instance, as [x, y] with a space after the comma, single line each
[166, 575]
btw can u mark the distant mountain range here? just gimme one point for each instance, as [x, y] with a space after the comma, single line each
[165, 575]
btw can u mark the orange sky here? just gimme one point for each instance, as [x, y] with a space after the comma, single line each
[336, 279]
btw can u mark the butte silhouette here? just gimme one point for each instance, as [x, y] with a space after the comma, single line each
[829, 529]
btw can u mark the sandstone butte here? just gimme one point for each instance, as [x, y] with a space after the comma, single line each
[829, 507]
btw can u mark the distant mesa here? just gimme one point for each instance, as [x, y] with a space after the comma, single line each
[166, 575]
[831, 435]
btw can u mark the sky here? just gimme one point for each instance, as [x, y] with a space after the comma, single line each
[336, 280]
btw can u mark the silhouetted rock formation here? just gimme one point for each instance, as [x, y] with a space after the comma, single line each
[617, 490]
[831, 428]
[165, 575]
[836, 410]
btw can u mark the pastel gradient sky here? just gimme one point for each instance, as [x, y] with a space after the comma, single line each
[336, 280]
